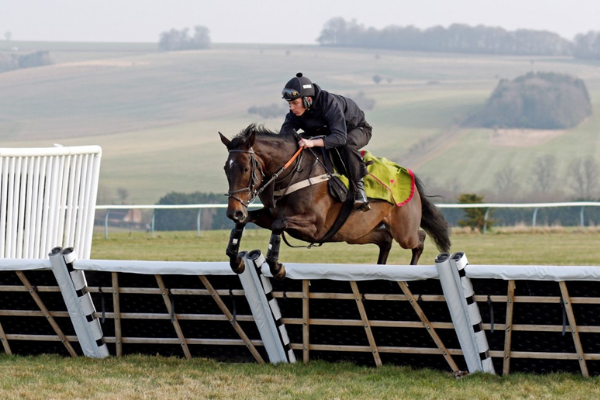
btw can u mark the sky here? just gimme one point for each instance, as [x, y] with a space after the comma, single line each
[277, 21]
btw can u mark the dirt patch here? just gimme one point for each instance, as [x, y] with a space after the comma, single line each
[522, 137]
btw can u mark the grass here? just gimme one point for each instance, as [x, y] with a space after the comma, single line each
[156, 115]
[144, 377]
[149, 377]
[520, 245]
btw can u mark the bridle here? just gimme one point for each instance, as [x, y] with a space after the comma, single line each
[254, 192]
[254, 166]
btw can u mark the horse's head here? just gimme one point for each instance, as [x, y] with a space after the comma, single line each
[244, 174]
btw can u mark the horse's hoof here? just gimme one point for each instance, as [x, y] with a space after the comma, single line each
[238, 265]
[281, 274]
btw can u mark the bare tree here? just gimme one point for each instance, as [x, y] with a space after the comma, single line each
[123, 194]
[506, 185]
[543, 174]
[583, 177]
[7, 35]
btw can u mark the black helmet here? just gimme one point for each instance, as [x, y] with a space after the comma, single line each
[299, 86]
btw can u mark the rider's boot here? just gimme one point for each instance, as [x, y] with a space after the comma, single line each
[361, 202]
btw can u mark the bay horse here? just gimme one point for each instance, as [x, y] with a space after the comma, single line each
[261, 163]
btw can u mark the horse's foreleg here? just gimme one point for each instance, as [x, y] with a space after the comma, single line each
[233, 247]
[260, 217]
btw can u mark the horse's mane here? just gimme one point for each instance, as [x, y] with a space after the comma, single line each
[261, 132]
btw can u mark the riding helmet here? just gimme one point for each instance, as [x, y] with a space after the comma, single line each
[298, 86]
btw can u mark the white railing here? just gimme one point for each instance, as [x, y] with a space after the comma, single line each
[487, 206]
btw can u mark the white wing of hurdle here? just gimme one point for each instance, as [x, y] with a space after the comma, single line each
[47, 199]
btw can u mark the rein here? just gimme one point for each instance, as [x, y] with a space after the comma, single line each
[255, 165]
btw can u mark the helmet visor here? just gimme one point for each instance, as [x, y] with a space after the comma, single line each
[290, 94]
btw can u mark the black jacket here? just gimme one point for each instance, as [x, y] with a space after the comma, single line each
[331, 115]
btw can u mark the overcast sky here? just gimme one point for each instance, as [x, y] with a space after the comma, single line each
[277, 21]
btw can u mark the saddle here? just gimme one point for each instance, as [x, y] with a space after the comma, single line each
[333, 164]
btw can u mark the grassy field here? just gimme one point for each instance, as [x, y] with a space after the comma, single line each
[539, 246]
[149, 377]
[156, 115]
[144, 377]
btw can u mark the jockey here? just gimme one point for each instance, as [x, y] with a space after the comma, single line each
[338, 119]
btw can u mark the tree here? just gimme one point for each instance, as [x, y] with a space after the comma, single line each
[185, 219]
[587, 45]
[201, 38]
[377, 78]
[174, 40]
[123, 194]
[7, 35]
[505, 181]
[543, 100]
[275, 110]
[583, 177]
[365, 103]
[474, 217]
[543, 174]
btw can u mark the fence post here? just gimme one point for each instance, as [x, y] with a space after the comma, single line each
[485, 218]
[152, 223]
[581, 221]
[261, 311]
[535, 210]
[106, 224]
[198, 222]
[457, 305]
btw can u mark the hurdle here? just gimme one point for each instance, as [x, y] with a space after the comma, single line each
[506, 318]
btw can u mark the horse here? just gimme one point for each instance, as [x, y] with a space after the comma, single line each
[258, 166]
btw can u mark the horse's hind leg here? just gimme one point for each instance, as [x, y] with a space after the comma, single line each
[277, 269]
[382, 238]
[417, 251]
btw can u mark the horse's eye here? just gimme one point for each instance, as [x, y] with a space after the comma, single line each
[246, 169]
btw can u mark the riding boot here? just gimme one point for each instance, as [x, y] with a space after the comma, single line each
[361, 202]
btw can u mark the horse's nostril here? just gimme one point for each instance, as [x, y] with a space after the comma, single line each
[238, 216]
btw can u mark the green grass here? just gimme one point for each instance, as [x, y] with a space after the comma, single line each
[143, 377]
[544, 246]
[156, 115]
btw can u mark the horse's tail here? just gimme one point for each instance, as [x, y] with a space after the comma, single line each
[433, 221]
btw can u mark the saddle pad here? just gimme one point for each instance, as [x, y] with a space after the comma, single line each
[386, 180]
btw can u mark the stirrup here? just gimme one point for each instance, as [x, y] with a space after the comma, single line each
[362, 206]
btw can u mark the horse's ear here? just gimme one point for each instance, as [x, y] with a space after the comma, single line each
[251, 138]
[224, 140]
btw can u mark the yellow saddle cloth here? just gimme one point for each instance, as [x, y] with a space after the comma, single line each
[386, 180]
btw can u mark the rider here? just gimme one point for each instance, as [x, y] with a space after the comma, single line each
[340, 121]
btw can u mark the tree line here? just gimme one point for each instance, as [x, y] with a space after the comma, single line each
[459, 38]
[9, 62]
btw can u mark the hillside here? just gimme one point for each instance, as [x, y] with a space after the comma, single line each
[156, 115]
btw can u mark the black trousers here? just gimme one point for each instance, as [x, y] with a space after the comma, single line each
[350, 153]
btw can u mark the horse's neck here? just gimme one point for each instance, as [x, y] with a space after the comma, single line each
[274, 155]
